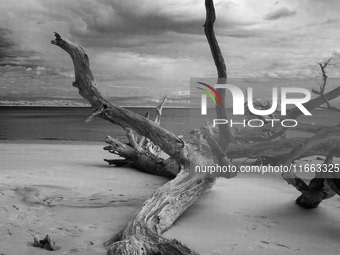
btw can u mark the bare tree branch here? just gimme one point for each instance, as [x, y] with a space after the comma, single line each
[87, 87]
[226, 136]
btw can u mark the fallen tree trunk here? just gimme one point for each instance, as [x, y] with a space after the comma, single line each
[142, 234]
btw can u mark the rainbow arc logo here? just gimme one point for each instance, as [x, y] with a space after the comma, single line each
[204, 97]
[208, 92]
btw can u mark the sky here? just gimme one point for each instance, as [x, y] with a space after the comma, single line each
[140, 50]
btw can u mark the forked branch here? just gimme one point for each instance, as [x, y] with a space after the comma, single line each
[87, 87]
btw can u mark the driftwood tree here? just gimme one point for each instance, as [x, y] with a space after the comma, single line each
[323, 83]
[142, 235]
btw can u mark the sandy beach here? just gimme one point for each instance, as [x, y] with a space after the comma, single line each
[66, 190]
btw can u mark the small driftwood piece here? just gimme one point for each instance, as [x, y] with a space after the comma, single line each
[47, 243]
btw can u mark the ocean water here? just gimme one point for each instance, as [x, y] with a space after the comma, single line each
[68, 123]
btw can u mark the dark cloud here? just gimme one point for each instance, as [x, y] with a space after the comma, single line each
[106, 23]
[330, 21]
[12, 55]
[326, 22]
[244, 33]
[136, 23]
[123, 24]
[150, 23]
[282, 12]
[6, 45]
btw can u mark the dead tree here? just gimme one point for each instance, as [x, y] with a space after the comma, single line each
[142, 235]
[323, 83]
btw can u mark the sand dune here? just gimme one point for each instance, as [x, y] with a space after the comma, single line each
[68, 191]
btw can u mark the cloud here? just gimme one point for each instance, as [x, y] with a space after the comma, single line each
[129, 24]
[126, 23]
[330, 21]
[242, 33]
[282, 12]
[12, 55]
[6, 45]
[150, 45]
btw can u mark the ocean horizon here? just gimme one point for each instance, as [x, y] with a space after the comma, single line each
[38, 123]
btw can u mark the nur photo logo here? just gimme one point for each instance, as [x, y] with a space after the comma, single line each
[242, 103]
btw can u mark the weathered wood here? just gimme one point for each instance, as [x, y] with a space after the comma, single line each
[323, 85]
[332, 176]
[219, 155]
[317, 191]
[314, 103]
[142, 154]
[319, 188]
[87, 87]
[309, 143]
[324, 185]
[226, 136]
[117, 162]
[291, 114]
[142, 159]
[308, 128]
[132, 139]
[142, 234]
[47, 243]
[279, 148]
[159, 109]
